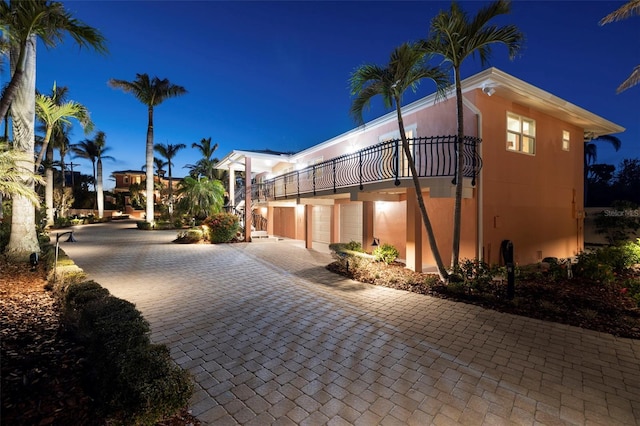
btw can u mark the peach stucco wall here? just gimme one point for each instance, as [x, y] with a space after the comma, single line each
[532, 200]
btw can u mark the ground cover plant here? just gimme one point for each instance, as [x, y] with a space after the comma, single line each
[600, 292]
[45, 369]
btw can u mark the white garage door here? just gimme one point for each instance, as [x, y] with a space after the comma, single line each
[322, 224]
[351, 222]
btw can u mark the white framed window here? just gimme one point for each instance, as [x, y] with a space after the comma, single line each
[566, 140]
[521, 134]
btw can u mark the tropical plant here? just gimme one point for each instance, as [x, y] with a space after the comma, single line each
[631, 8]
[169, 151]
[23, 22]
[93, 150]
[200, 198]
[54, 112]
[455, 37]
[404, 71]
[204, 166]
[151, 92]
[221, 227]
[12, 178]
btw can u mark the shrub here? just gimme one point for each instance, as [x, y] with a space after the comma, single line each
[221, 227]
[591, 267]
[354, 246]
[190, 236]
[385, 253]
[632, 288]
[178, 223]
[143, 224]
[62, 222]
[476, 275]
[134, 381]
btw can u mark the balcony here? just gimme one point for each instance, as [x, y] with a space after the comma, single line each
[385, 162]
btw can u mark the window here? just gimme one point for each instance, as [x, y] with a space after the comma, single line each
[411, 133]
[521, 134]
[566, 139]
[126, 180]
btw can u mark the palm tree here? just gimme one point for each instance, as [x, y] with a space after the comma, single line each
[200, 197]
[23, 22]
[93, 150]
[169, 151]
[101, 140]
[54, 112]
[405, 69]
[151, 92]
[455, 37]
[204, 166]
[591, 155]
[631, 8]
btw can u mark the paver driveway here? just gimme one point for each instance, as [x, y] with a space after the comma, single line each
[271, 337]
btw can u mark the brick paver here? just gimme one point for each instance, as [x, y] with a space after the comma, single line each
[271, 337]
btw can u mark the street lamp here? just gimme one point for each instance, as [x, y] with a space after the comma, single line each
[69, 240]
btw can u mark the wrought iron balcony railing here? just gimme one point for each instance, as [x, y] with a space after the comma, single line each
[433, 156]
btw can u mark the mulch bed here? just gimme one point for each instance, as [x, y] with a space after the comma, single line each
[574, 302]
[42, 369]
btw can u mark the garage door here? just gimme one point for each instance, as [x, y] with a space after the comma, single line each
[351, 222]
[322, 224]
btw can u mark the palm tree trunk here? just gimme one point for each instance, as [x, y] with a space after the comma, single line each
[442, 272]
[457, 209]
[45, 145]
[24, 240]
[170, 191]
[149, 153]
[49, 185]
[11, 91]
[99, 192]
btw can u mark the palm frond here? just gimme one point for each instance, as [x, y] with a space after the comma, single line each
[631, 81]
[627, 10]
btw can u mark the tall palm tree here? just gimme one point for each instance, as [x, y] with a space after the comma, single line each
[406, 67]
[204, 166]
[101, 141]
[151, 92]
[631, 8]
[591, 155]
[93, 150]
[23, 22]
[200, 197]
[455, 36]
[169, 151]
[54, 111]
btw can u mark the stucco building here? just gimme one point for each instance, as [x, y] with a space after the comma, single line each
[524, 156]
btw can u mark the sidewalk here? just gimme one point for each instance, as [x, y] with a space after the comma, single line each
[272, 337]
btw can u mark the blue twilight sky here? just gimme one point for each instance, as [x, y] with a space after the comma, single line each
[275, 74]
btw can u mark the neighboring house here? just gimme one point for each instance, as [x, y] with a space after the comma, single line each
[125, 178]
[523, 167]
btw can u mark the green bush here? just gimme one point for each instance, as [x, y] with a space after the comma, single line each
[178, 223]
[190, 236]
[477, 276]
[631, 287]
[143, 224]
[354, 246]
[134, 382]
[222, 227]
[385, 253]
[61, 222]
[591, 267]
[602, 264]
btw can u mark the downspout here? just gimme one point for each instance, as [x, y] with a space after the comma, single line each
[479, 212]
